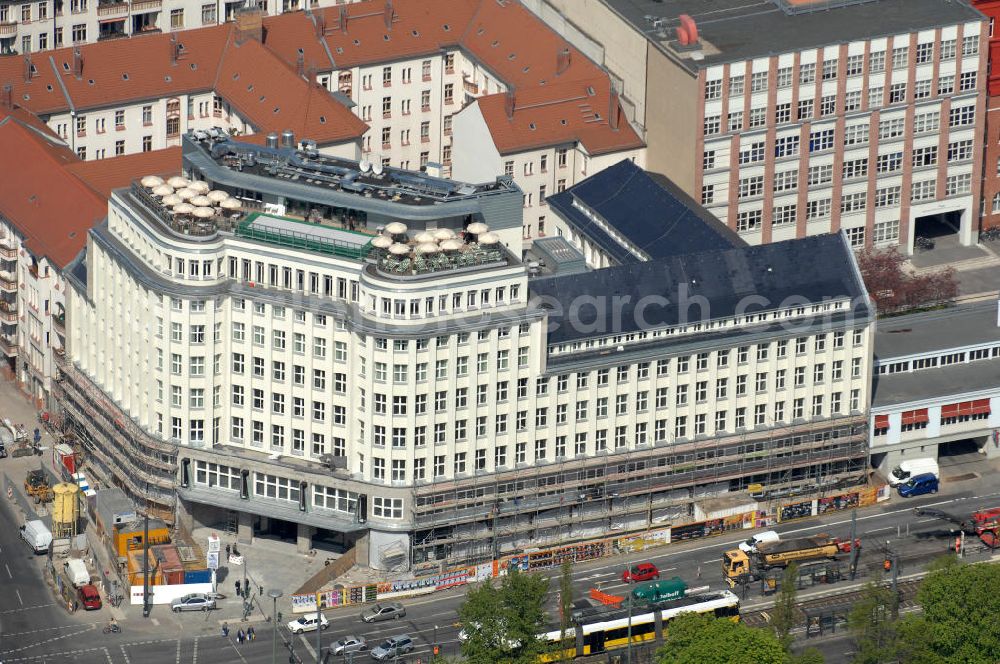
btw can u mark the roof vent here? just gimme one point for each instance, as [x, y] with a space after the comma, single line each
[531, 126]
[288, 139]
[300, 63]
[125, 76]
[563, 60]
[29, 69]
[77, 62]
[446, 27]
[271, 140]
[687, 32]
[388, 15]
[175, 49]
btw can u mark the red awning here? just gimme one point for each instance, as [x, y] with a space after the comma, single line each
[951, 410]
[918, 416]
[981, 407]
[881, 421]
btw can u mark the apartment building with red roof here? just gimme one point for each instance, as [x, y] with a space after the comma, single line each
[47, 206]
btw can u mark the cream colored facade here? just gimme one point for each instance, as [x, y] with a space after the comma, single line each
[431, 393]
[32, 313]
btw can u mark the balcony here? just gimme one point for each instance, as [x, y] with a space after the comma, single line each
[110, 9]
[8, 346]
[140, 6]
[8, 282]
[8, 312]
[8, 28]
[108, 36]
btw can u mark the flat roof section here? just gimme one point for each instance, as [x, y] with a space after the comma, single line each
[937, 384]
[304, 235]
[737, 30]
[955, 327]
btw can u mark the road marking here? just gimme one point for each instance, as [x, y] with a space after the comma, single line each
[19, 596]
[125, 655]
[877, 530]
[309, 648]
[194, 659]
[156, 622]
[238, 653]
[710, 562]
[178, 651]
[108, 655]
[9, 575]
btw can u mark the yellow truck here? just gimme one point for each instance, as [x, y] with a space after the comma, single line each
[736, 563]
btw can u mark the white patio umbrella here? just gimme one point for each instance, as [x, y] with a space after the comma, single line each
[427, 248]
[201, 201]
[178, 181]
[151, 181]
[231, 204]
[399, 249]
[171, 200]
[183, 208]
[489, 238]
[187, 193]
[443, 234]
[200, 186]
[203, 212]
[424, 237]
[451, 245]
[477, 228]
[217, 195]
[382, 242]
[163, 190]
[395, 228]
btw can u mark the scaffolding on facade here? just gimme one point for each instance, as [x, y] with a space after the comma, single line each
[479, 518]
[141, 465]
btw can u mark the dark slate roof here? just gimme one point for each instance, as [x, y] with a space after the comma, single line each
[648, 210]
[736, 30]
[699, 287]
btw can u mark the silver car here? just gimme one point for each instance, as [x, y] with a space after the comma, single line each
[192, 602]
[349, 644]
[394, 646]
[383, 611]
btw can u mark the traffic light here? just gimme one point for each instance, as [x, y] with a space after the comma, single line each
[887, 565]
[437, 650]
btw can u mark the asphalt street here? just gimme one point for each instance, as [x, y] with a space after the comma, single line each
[34, 629]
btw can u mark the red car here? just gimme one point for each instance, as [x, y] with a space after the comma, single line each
[640, 572]
[90, 598]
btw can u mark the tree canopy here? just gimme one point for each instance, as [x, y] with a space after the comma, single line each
[693, 637]
[894, 290]
[959, 623]
[502, 624]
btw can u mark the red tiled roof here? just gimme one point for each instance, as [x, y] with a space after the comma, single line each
[131, 70]
[561, 113]
[50, 206]
[106, 175]
[268, 93]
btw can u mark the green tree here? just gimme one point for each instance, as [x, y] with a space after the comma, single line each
[693, 637]
[959, 621]
[873, 621]
[502, 623]
[784, 615]
[808, 656]
[565, 597]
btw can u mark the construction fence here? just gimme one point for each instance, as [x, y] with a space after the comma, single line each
[549, 558]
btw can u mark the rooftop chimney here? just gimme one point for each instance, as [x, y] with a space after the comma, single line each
[77, 62]
[508, 103]
[614, 109]
[28, 73]
[7, 96]
[342, 19]
[562, 60]
[388, 15]
[300, 63]
[687, 31]
[175, 49]
[249, 25]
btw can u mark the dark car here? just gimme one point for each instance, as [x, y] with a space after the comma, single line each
[90, 598]
[640, 572]
[919, 485]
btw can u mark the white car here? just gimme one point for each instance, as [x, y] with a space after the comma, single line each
[307, 623]
[750, 546]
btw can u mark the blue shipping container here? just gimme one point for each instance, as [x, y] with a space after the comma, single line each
[198, 576]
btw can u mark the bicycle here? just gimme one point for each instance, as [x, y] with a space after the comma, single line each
[113, 628]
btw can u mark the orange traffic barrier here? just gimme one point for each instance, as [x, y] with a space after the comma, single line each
[605, 598]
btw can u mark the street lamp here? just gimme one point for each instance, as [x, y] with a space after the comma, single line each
[274, 594]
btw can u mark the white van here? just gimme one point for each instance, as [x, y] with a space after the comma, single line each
[751, 544]
[911, 468]
[77, 572]
[37, 536]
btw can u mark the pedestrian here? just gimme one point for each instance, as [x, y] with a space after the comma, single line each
[238, 588]
[251, 635]
[239, 636]
[225, 630]
[76, 606]
[228, 549]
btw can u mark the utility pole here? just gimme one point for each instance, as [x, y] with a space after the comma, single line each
[319, 632]
[274, 594]
[855, 550]
[629, 649]
[145, 557]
